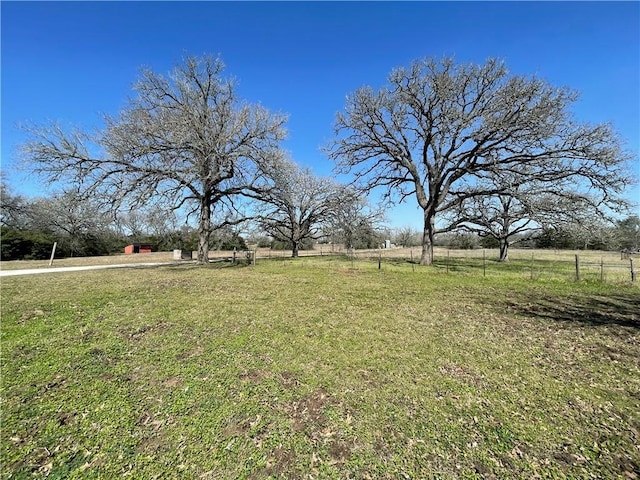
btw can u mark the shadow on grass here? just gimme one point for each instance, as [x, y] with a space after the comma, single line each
[618, 309]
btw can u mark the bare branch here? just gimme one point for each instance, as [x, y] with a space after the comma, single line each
[441, 130]
[185, 140]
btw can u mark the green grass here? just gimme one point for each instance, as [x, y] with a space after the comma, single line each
[312, 368]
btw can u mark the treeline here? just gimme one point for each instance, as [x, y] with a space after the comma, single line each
[29, 228]
[83, 227]
[623, 235]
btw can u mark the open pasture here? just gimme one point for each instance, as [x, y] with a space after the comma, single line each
[322, 367]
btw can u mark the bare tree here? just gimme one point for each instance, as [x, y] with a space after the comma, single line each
[13, 207]
[406, 236]
[75, 221]
[185, 141]
[148, 222]
[501, 216]
[438, 129]
[297, 205]
[132, 224]
[353, 221]
[526, 206]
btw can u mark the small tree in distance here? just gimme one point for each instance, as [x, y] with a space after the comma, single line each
[297, 205]
[353, 221]
[407, 237]
[628, 231]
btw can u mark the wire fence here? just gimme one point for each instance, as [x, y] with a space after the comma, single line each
[531, 264]
[596, 266]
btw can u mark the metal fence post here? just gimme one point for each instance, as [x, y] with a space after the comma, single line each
[484, 263]
[531, 265]
[601, 269]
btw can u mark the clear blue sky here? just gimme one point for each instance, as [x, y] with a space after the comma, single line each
[73, 61]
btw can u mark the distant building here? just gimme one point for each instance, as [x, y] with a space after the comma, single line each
[137, 248]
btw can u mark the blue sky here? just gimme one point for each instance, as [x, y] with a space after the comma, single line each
[73, 61]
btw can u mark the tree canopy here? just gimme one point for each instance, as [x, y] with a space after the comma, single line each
[185, 141]
[298, 204]
[439, 129]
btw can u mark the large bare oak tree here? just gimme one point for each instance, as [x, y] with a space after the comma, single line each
[185, 141]
[438, 129]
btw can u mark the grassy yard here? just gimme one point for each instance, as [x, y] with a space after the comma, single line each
[319, 368]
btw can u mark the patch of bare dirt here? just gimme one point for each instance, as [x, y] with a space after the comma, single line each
[191, 353]
[280, 462]
[235, 429]
[172, 382]
[484, 471]
[65, 418]
[340, 451]
[289, 379]
[151, 445]
[307, 413]
[138, 333]
[30, 315]
[461, 372]
[346, 271]
[255, 376]
[57, 382]
[39, 462]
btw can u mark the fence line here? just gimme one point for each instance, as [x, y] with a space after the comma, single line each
[534, 264]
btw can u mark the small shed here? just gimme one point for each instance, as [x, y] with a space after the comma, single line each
[137, 248]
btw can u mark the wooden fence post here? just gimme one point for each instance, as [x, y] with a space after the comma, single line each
[577, 267]
[633, 273]
[53, 252]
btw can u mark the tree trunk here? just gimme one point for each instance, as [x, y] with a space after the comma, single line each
[204, 231]
[427, 240]
[296, 247]
[504, 250]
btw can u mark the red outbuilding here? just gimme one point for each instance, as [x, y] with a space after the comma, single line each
[137, 248]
